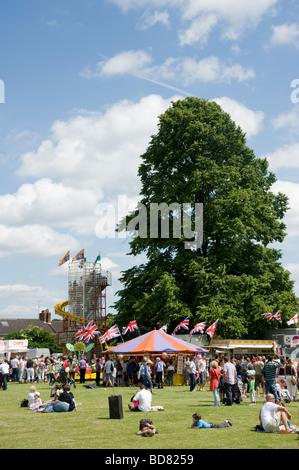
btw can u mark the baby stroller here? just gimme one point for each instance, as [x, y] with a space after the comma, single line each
[282, 391]
[65, 379]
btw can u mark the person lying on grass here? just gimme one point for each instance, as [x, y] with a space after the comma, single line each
[199, 423]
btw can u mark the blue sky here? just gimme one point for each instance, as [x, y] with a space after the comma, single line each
[84, 84]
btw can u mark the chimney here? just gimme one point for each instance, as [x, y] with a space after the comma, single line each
[45, 316]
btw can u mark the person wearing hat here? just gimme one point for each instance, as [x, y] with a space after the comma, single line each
[37, 402]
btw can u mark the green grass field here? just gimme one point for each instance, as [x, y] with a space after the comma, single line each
[91, 428]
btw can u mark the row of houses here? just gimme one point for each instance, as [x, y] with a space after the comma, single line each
[10, 325]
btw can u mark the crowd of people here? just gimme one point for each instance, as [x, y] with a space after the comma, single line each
[230, 380]
[235, 379]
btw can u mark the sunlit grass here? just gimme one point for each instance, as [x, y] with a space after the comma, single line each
[91, 427]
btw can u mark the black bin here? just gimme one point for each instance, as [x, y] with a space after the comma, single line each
[115, 407]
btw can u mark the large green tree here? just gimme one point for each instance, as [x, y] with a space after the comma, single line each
[199, 155]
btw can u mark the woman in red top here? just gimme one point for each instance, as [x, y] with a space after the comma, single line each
[215, 372]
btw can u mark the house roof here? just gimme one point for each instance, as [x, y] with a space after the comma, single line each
[9, 325]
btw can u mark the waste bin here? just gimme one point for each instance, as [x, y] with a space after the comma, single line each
[115, 407]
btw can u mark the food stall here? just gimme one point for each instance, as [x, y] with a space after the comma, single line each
[13, 347]
[237, 347]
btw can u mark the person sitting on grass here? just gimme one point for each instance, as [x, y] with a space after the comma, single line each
[273, 416]
[144, 398]
[65, 402]
[37, 402]
[199, 423]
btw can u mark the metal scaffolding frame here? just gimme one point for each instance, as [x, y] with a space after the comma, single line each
[87, 290]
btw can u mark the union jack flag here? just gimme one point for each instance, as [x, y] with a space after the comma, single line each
[81, 333]
[132, 326]
[163, 329]
[112, 333]
[91, 331]
[268, 315]
[184, 325]
[211, 330]
[277, 316]
[199, 328]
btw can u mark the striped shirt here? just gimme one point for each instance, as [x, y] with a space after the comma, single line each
[269, 370]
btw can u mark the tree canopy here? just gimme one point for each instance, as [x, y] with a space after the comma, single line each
[200, 156]
[37, 338]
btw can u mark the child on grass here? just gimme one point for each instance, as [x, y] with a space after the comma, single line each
[251, 385]
[199, 423]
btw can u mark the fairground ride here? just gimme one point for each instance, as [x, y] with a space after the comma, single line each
[87, 284]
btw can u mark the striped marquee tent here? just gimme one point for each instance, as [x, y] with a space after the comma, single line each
[155, 342]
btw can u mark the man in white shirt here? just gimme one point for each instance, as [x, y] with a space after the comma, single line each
[192, 374]
[229, 379]
[273, 415]
[15, 369]
[202, 367]
[4, 369]
[144, 397]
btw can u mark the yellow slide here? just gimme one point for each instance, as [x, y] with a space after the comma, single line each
[60, 310]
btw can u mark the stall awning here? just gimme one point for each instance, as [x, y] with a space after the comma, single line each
[241, 344]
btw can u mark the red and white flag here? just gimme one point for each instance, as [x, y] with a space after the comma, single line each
[293, 320]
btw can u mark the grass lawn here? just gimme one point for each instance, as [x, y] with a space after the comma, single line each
[91, 428]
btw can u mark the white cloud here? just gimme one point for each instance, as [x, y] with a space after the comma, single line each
[49, 203]
[286, 34]
[98, 151]
[199, 30]
[291, 219]
[37, 240]
[21, 300]
[230, 17]
[148, 19]
[212, 69]
[185, 70]
[289, 120]
[250, 121]
[127, 62]
[234, 17]
[284, 157]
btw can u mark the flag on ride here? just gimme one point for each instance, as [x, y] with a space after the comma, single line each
[91, 331]
[211, 330]
[132, 326]
[277, 316]
[79, 256]
[293, 320]
[112, 333]
[184, 325]
[199, 328]
[64, 259]
[163, 328]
